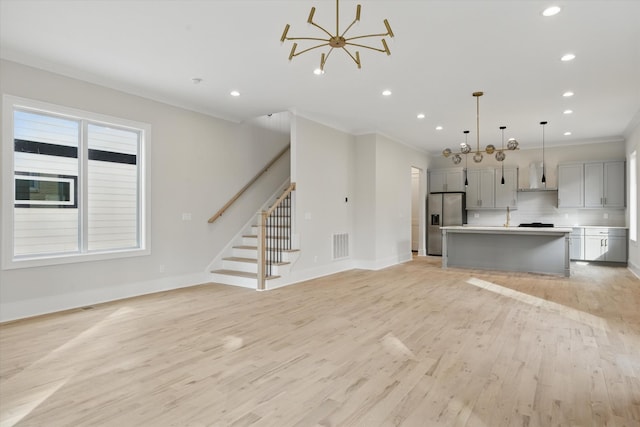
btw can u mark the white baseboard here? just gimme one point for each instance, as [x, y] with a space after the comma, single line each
[45, 305]
[635, 269]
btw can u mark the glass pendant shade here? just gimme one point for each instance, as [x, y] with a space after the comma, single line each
[500, 156]
[456, 159]
[477, 157]
[512, 144]
[490, 149]
[446, 152]
[465, 148]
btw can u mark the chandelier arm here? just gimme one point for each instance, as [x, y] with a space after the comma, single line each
[349, 27]
[357, 61]
[369, 47]
[318, 26]
[307, 38]
[308, 49]
[368, 35]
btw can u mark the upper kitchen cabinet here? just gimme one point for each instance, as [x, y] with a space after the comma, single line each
[571, 186]
[604, 184]
[481, 188]
[506, 195]
[441, 180]
[592, 185]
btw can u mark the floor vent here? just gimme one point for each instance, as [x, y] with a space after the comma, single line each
[340, 245]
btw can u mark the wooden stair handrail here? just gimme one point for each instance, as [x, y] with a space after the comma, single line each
[284, 195]
[254, 179]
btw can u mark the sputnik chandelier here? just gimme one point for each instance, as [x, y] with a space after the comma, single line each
[465, 148]
[337, 40]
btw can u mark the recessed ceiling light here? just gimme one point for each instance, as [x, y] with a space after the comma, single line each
[318, 72]
[438, 127]
[567, 133]
[552, 10]
[421, 116]
[234, 93]
[567, 94]
[386, 92]
[568, 57]
[567, 112]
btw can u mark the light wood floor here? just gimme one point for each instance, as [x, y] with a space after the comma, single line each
[410, 345]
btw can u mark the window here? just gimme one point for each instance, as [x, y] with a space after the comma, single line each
[633, 196]
[78, 184]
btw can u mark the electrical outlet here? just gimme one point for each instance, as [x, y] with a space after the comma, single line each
[566, 216]
[186, 217]
[606, 215]
[161, 268]
[476, 215]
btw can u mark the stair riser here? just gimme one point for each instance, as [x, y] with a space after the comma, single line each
[278, 231]
[245, 253]
[245, 282]
[248, 267]
[253, 241]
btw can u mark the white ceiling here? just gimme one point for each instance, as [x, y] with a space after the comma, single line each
[442, 52]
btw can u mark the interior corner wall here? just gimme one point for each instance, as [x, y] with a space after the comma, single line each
[365, 197]
[633, 143]
[197, 164]
[324, 173]
[393, 199]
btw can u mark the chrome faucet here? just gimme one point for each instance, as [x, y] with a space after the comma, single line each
[508, 217]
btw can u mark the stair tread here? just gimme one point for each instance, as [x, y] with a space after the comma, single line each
[241, 259]
[256, 248]
[251, 260]
[255, 236]
[240, 274]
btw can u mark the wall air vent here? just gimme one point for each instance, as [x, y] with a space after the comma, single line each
[340, 245]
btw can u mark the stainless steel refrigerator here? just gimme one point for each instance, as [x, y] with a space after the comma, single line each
[443, 209]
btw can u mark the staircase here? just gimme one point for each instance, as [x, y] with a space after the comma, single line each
[241, 264]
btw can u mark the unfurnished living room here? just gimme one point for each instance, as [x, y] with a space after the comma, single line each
[319, 213]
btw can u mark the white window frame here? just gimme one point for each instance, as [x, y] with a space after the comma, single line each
[9, 261]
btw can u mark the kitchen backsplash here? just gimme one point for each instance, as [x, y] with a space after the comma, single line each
[542, 207]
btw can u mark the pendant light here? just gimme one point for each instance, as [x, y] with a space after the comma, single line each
[502, 128]
[465, 149]
[490, 149]
[544, 178]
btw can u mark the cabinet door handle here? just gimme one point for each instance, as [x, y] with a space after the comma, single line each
[605, 242]
[605, 201]
[601, 242]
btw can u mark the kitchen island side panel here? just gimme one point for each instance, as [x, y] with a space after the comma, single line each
[533, 253]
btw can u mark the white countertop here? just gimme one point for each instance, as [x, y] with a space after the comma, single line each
[597, 226]
[511, 229]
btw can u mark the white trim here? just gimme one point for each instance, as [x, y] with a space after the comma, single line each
[51, 304]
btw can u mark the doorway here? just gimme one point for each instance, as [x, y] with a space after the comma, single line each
[417, 211]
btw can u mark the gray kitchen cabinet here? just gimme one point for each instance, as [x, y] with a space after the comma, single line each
[604, 184]
[506, 195]
[592, 185]
[605, 244]
[577, 244]
[441, 180]
[571, 185]
[481, 189]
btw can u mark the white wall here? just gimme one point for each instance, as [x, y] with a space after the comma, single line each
[633, 143]
[198, 163]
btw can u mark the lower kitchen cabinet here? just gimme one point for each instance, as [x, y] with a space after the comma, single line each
[577, 244]
[605, 244]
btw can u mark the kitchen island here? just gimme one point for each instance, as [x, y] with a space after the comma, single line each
[524, 249]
